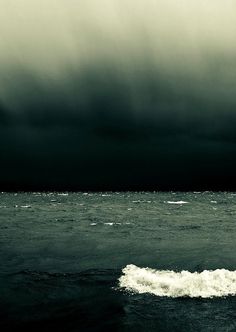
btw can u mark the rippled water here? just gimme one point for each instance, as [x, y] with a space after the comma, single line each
[62, 256]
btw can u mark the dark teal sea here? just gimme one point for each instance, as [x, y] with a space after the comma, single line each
[62, 254]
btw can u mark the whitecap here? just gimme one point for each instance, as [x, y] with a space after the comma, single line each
[206, 284]
[112, 223]
[176, 202]
[25, 206]
[93, 224]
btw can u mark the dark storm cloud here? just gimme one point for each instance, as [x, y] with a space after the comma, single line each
[113, 94]
[3, 116]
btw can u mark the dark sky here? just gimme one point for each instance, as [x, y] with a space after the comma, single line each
[117, 95]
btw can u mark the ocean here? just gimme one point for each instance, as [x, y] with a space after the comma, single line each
[118, 261]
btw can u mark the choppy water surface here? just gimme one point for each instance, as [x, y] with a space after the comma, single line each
[118, 261]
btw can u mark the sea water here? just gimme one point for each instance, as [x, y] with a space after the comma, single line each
[118, 261]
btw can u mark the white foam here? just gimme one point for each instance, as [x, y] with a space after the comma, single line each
[206, 284]
[112, 223]
[176, 202]
[25, 206]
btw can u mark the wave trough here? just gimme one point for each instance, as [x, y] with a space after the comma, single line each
[206, 284]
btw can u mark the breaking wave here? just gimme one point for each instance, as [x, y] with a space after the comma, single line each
[205, 284]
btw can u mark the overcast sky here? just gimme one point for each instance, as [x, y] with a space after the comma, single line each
[118, 94]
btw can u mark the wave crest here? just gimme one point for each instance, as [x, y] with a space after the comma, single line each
[205, 284]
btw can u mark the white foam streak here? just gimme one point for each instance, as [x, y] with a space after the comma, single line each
[177, 202]
[205, 284]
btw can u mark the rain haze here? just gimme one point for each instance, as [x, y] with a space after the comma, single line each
[116, 95]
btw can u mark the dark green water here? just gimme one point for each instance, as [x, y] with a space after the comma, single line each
[62, 255]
